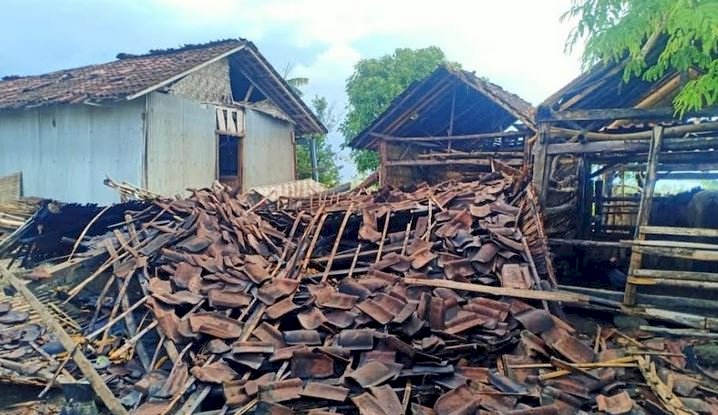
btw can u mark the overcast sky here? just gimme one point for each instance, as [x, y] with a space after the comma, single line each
[515, 43]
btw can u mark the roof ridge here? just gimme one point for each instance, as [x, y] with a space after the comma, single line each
[183, 48]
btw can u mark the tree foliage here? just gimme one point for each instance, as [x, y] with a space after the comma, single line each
[326, 157]
[374, 84]
[616, 29]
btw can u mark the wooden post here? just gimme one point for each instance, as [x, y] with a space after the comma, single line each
[97, 383]
[451, 116]
[644, 210]
[384, 158]
[540, 172]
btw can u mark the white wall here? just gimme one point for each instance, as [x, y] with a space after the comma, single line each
[268, 150]
[181, 144]
[64, 152]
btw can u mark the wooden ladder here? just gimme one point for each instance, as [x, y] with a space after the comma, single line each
[637, 276]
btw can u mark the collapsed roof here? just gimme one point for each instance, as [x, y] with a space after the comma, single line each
[425, 108]
[133, 76]
[603, 86]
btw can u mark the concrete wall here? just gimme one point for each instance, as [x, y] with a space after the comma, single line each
[181, 144]
[65, 152]
[268, 150]
[209, 84]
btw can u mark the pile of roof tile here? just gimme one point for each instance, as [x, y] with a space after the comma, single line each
[415, 301]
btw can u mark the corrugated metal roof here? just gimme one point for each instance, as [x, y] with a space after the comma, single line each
[131, 76]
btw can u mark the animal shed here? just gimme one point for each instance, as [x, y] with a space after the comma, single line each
[598, 130]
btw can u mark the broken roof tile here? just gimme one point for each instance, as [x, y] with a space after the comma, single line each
[460, 401]
[278, 288]
[375, 311]
[256, 272]
[281, 308]
[387, 398]
[324, 391]
[311, 365]
[373, 373]
[215, 372]
[281, 391]
[252, 347]
[215, 324]
[535, 320]
[219, 298]
[266, 333]
[340, 318]
[311, 319]
[339, 301]
[368, 404]
[361, 339]
[353, 288]
[306, 337]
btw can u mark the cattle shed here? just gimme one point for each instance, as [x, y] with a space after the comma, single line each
[603, 143]
[450, 125]
[166, 121]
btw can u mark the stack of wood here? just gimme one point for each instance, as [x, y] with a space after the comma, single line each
[424, 300]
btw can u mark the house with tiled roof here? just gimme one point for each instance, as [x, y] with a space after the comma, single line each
[452, 124]
[167, 121]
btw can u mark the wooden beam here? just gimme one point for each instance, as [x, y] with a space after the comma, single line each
[667, 230]
[673, 283]
[501, 134]
[675, 244]
[677, 131]
[461, 162]
[540, 174]
[679, 275]
[685, 253]
[627, 147]
[588, 244]
[644, 210]
[83, 364]
[499, 291]
[453, 107]
[621, 114]
[664, 301]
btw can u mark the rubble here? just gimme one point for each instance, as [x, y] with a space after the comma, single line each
[432, 299]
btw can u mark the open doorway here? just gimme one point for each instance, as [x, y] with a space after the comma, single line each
[229, 160]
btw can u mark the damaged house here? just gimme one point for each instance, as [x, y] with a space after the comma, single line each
[166, 121]
[450, 125]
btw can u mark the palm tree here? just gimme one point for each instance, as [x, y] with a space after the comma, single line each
[296, 82]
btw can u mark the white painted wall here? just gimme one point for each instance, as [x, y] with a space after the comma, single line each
[65, 152]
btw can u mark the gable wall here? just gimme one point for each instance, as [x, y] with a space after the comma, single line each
[209, 84]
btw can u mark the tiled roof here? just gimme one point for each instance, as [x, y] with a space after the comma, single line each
[134, 75]
[108, 82]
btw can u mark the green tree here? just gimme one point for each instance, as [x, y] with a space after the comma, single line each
[374, 84]
[618, 29]
[326, 157]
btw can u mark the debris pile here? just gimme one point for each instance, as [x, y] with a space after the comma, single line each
[426, 300]
[14, 213]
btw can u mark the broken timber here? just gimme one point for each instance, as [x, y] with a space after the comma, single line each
[97, 383]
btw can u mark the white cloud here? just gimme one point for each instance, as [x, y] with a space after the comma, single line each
[517, 42]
